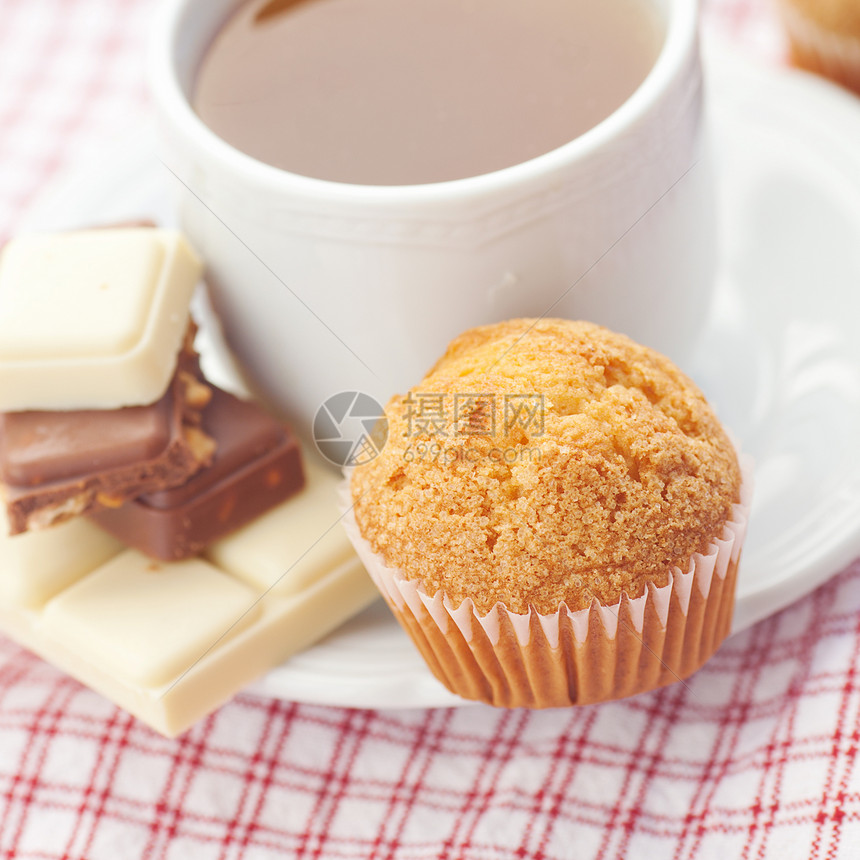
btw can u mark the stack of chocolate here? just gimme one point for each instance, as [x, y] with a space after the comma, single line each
[105, 410]
[165, 543]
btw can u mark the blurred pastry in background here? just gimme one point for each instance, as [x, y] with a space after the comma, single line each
[825, 37]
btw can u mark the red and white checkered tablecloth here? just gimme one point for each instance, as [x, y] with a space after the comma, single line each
[755, 757]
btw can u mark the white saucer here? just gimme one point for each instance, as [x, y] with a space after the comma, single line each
[780, 359]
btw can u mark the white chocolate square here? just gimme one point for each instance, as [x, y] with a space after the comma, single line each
[170, 642]
[287, 625]
[92, 319]
[144, 621]
[35, 566]
[293, 545]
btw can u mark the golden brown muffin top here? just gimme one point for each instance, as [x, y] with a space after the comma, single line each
[546, 461]
[838, 16]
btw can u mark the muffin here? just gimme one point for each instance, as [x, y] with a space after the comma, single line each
[556, 517]
[825, 37]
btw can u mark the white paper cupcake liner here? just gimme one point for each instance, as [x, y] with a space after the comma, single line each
[565, 658]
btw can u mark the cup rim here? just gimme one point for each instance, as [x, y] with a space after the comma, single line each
[170, 98]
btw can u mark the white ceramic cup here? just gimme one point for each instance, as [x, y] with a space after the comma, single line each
[325, 287]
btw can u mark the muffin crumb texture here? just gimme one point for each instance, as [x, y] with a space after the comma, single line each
[563, 463]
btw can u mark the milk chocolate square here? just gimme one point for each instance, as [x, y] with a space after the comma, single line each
[257, 465]
[56, 465]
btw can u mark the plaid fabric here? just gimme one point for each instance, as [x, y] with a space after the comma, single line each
[755, 757]
[749, 24]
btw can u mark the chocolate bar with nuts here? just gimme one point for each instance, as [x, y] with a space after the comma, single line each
[56, 465]
[257, 465]
[171, 641]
